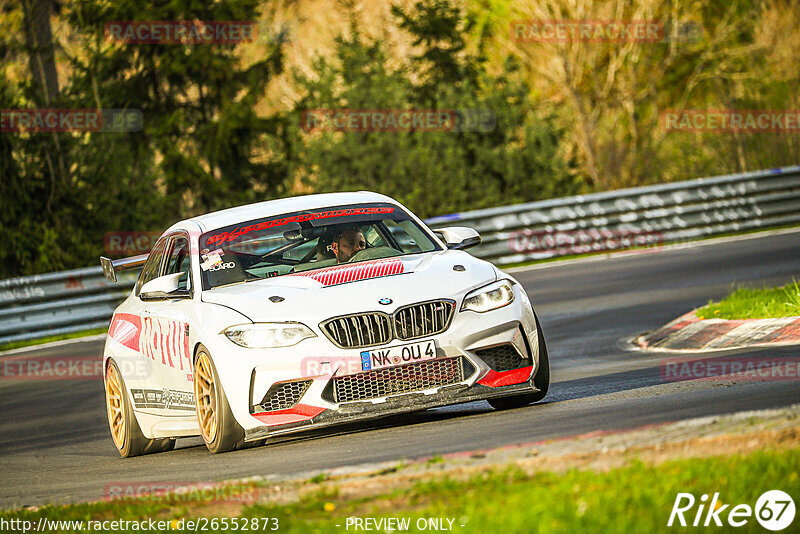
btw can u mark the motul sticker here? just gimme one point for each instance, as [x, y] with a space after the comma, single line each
[161, 340]
[166, 341]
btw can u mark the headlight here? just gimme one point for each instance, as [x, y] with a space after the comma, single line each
[268, 335]
[495, 295]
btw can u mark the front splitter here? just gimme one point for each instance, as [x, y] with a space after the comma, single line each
[410, 402]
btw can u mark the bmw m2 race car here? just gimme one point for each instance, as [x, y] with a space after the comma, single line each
[304, 312]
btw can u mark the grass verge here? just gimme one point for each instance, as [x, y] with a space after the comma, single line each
[747, 303]
[48, 339]
[637, 497]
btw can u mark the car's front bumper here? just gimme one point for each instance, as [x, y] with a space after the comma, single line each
[409, 402]
[253, 373]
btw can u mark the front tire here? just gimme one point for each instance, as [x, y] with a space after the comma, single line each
[541, 380]
[125, 431]
[218, 428]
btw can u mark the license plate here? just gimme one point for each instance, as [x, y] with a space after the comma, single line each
[391, 356]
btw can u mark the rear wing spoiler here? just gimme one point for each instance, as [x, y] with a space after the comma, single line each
[110, 267]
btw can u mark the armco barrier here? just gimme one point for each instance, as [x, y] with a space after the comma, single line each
[655, 214]
[54, 303]
[48, 304]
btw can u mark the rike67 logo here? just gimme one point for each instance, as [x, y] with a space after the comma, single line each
[774, 510]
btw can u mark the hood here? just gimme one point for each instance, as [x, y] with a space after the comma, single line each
[313, 296]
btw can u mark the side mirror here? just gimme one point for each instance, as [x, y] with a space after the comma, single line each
[164, 287]
[459, 237]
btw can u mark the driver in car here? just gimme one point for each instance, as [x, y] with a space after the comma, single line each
[346, 242]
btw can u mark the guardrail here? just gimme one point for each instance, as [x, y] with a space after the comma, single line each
[56, 303]
[641, 216]
[42, 305]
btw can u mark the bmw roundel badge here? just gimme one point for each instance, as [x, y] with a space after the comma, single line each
[385, 301]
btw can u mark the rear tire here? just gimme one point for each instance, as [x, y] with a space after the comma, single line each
[541, 380]
[125, 431]
[218, 428]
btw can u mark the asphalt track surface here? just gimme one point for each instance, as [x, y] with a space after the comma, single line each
[55, 446]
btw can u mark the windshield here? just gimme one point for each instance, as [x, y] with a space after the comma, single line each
[307, 240]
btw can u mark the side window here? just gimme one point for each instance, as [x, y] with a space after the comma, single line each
[152, 266]
[178, 260]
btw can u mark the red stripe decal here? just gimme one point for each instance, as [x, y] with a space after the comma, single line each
[341, 274]
[166, 335]
[125, 328]
[301, 412]
[185, 346]
[506, 378]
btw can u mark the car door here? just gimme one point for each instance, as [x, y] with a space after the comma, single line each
[164, 339]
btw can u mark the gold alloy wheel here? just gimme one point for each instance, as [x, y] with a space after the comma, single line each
[115, 402]
[205, 394]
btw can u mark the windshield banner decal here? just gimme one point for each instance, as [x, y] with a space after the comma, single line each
[225, 237]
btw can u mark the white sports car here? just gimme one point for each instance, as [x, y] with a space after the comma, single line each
[299, 313]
